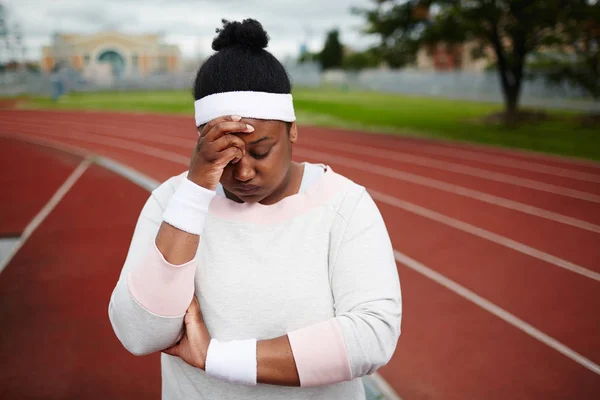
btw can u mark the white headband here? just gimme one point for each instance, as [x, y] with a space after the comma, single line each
[260, 105]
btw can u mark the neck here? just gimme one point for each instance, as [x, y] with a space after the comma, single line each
[289, 186]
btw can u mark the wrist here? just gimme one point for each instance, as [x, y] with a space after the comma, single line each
[188, 207]
[200, 180]
[233, 361]
[203, 353]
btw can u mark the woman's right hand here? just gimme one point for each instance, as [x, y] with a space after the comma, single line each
[216, 148]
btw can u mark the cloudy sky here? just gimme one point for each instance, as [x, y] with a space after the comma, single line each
[190, 23]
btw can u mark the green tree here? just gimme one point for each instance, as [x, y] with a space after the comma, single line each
[332, 54]
[308, 57]
[514, 29]
[576, 56]
[361, 60]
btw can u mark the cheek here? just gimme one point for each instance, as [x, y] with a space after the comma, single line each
[277, 166]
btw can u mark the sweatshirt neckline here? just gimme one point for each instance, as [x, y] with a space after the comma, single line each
[316, 194]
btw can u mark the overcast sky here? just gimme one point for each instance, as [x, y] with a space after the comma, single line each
[191, 23]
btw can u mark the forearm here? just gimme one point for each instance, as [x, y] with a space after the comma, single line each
[275, 362]
[163, 281]
[308, 357]
[177, 246]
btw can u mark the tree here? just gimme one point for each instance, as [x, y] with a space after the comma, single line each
[576, 59]
[308, 57]
[332, 54]
[361, 60]
[512, 28]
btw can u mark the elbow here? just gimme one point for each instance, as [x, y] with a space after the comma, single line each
[136, 349]
[374, 342]
[380, 354]
[130, 341]
[387, 342]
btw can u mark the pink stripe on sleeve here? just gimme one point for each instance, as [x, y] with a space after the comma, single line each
[320, 354]
[161, 287]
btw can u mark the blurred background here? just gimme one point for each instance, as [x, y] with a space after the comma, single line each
[503, 58]
[422, 81]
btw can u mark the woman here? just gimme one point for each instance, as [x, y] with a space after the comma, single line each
[286, 270]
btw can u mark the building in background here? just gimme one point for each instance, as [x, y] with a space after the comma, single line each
[458, 57]
[106, 56]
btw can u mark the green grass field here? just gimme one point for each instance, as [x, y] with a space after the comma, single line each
[376, 112]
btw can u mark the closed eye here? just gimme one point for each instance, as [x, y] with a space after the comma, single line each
[261, 156]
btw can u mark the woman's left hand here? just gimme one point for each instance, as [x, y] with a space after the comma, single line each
[193, 346]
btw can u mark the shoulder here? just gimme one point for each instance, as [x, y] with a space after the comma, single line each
[349, 195]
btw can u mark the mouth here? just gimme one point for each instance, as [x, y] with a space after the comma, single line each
[247, 190]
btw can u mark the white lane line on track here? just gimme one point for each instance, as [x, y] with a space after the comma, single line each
[118, 143]
[47, 209]
[459, 169]
[146, 182]
[457, 146]
[128, 173]
[497, 311]
[451, 188]
[405, 176]
[484, 234]
[512, 151]
[476, 231]
[130, 133]
[510, 162]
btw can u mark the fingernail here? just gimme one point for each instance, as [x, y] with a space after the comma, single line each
[236, 117]
[249, 128]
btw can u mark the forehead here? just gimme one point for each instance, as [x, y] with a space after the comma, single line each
[263, 128]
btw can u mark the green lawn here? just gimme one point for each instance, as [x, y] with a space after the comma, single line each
[377, 112]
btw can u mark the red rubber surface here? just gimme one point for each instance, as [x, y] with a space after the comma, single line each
[56, 340]
[27, 181]
[450, 347]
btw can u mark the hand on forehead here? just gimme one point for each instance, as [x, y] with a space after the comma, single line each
[263, 127]
[265, 131]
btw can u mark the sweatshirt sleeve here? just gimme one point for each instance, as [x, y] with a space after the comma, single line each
[149, 301]
[362, 336]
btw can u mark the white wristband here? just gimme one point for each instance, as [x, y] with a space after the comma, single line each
[233, 361]
[188, 207]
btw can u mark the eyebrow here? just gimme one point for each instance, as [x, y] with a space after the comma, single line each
[260, 140]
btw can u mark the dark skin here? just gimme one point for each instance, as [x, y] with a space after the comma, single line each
[253, 161]
[267, 164]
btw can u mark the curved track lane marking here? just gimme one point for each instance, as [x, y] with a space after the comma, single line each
[415, 209]
[47, 209]
[460, 169]
[405, 176]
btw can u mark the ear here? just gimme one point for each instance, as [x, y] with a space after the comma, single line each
[293, 133]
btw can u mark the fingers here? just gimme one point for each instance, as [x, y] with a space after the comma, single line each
[193, 313]
[212, 123]
[194, 305]
[226, 141]
[204, 129]
[225, 127]
[172, 351]
[230, 155]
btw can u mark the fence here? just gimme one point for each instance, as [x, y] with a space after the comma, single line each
[455, 85]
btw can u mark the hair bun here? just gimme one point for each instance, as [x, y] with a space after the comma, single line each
[248, 33]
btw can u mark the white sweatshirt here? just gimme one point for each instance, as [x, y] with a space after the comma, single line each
[317, 266]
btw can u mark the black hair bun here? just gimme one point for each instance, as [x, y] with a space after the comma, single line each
[248, 33]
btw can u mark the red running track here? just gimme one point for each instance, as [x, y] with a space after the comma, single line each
[516, 231]
[56, 341]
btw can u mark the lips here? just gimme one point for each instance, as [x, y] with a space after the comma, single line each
[247, 189]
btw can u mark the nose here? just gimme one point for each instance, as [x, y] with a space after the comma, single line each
[244, 169]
